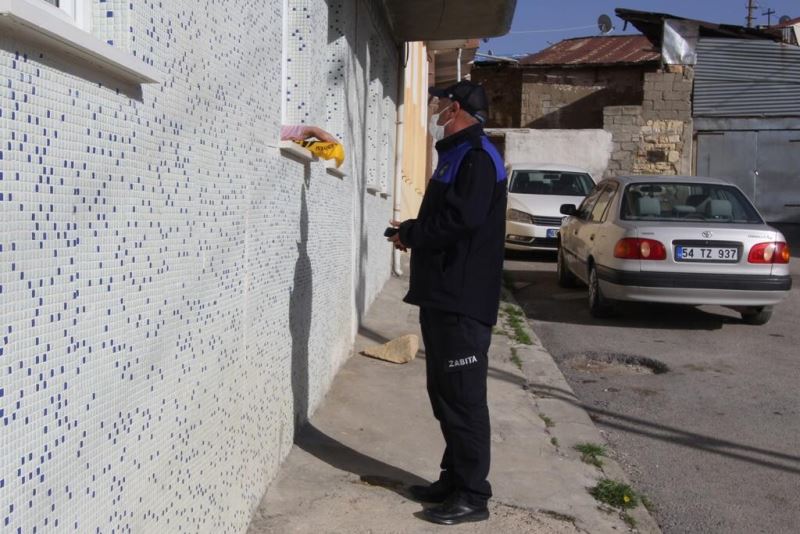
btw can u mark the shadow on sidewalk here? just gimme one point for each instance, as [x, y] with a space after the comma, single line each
[494, 372]
[372, 335]
[369, 470]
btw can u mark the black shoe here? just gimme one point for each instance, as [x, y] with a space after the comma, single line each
[456, 510]
[436, 492]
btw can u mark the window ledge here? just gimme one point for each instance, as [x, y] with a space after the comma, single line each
[332, 169]
[292, 149]
[29, 18]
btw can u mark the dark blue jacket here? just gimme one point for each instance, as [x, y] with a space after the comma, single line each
[457, 240]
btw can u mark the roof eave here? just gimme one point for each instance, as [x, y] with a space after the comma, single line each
[427, 20]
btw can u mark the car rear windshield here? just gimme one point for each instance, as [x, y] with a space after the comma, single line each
[713, 203]
[576, 184]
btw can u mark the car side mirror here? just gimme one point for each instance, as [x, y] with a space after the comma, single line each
[568, 209]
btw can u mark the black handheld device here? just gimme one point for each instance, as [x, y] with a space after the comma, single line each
[390, 231]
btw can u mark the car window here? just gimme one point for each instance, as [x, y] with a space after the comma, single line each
[710, 203]
[534, 182]
[601, 206]
[585, 209]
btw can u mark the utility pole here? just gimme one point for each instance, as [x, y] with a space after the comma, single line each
[751, 6]
[769, 13]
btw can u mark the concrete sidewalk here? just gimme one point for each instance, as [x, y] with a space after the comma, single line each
[375, 434]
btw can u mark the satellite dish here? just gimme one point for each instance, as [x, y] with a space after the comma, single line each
[784, 19]
[604, 24]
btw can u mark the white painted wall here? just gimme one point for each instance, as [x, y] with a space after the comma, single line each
[588, 149]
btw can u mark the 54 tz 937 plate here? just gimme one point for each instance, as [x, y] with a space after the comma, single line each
[715, 254]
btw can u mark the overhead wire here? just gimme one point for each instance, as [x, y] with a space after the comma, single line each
[555, 29]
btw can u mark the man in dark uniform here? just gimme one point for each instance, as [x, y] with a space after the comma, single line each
[456, 247]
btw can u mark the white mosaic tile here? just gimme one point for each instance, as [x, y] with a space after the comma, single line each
[175, 293]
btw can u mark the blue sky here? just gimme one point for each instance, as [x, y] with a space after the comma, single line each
[539, 23]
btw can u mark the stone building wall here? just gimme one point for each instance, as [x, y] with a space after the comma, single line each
[656, 137]
[574, 98]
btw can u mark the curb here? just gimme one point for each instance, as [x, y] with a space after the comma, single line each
[554, 399]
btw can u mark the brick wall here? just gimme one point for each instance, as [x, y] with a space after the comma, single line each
[176, 293]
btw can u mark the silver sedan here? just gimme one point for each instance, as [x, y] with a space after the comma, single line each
[682, 240]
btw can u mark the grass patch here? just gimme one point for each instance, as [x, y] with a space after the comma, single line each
[516, 319]
[591, 453]
[549, 423]
[522, 337]
[554, 441]
[629, 520]
[646, 502]
[515, 358]
[615, 494]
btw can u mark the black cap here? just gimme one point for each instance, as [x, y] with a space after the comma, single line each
[469, 95]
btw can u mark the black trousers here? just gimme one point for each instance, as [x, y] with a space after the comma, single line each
[456, 359]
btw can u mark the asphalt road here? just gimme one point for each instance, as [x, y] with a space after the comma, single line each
[714, 442]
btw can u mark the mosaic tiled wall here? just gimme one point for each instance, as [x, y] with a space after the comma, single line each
[175, 293]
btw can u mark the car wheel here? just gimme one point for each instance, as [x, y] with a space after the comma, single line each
[565, 276]
[757, 315]
[599, 305]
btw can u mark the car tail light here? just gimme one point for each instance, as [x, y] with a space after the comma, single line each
[632, 248]
[777, 252]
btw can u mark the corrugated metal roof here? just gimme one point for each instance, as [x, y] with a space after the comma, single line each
[652, 25]
[736, 78]
[604, 50]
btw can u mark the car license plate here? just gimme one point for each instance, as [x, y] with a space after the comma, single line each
[715, 254]
[552, 232]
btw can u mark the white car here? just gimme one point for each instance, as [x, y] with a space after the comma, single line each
[680, 240]
[536, 192]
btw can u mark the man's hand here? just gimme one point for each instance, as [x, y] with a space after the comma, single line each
[395, 239]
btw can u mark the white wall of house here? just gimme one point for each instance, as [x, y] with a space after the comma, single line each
[587, 149]
[175, 292]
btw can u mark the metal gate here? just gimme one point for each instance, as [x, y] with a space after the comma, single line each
[765, 164]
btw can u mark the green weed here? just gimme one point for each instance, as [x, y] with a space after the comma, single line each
[615, 494]
[591, 453]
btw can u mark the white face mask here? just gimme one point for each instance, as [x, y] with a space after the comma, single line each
[437, 130]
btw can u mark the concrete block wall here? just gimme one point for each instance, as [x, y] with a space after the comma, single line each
[176, 294]
[667, 95]
[656, 137]
[586, 149]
